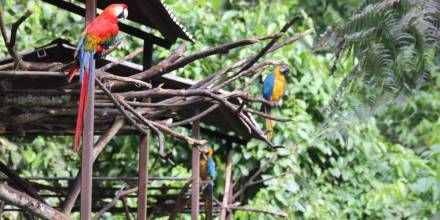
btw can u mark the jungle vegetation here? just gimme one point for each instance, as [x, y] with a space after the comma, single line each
[364, 95]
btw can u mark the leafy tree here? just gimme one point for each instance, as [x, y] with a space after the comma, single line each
[381, 165]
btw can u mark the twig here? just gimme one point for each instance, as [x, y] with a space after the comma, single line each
[119, 194]
[244, 73]
[148, 123]
[270, 178]
[254, 59]
[28, 203]
[10, 41]
[2, 206]
[123, 59]
[136, 82]
[158, 68]
[15, 28]
[110, 49]
[20, 183]
[180, 201]
[251, 209]
[255, 175]
[195, 117]
[126, 208]
[167, 67]
[264, 115]
[189, 140]
[120, 107]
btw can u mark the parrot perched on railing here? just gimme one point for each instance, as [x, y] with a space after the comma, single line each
[273, 90]
[98, 35]
[208, 173]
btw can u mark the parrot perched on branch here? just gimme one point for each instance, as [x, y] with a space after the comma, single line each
[208, 173]
[273, 90]
[98, 35]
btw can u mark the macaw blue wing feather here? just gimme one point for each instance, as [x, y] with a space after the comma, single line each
[268, 85]
[211, 169]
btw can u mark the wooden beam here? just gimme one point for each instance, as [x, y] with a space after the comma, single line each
[195, 187]
[88, 133]
[123, 27]
[143, 178]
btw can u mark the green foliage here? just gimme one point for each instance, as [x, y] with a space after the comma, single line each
[396, 44]
[386, 167]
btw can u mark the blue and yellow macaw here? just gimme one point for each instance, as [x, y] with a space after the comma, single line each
[273, 90]
[208, 173]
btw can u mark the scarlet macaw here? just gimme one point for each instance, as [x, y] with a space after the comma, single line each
[273, 90]
[208, 173]
[98, 35]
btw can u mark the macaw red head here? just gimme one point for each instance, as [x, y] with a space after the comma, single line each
[119, 11]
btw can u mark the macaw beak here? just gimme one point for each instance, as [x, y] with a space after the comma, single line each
[285, 70]
[124, 14]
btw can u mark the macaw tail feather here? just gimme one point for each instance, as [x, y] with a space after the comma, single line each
[79, 119]
[86, 70]
[269, 122]
[207, 196]
[73, 70]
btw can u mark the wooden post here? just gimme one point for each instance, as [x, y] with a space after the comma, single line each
[148, 54]
[88, 132]
[143, 178]
[228, 184]
[195, 187]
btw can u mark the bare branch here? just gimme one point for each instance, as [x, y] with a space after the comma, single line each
[119, 194]
[156, 69]
[249, 181]
[136, 82]
[123, 59]
[195, 117]
[260, 54]
[20, 183]
[265, 211]
[15, 26]
[28, 203]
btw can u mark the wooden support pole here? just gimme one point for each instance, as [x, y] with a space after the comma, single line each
[195, 188]
[144, 147]
[143, 178]
[148, 54]
[228, 184]
[88, 132]
[229, 212]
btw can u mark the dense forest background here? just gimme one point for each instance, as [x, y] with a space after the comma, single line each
[352, 151]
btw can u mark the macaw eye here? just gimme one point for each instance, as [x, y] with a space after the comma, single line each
[285, 70]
